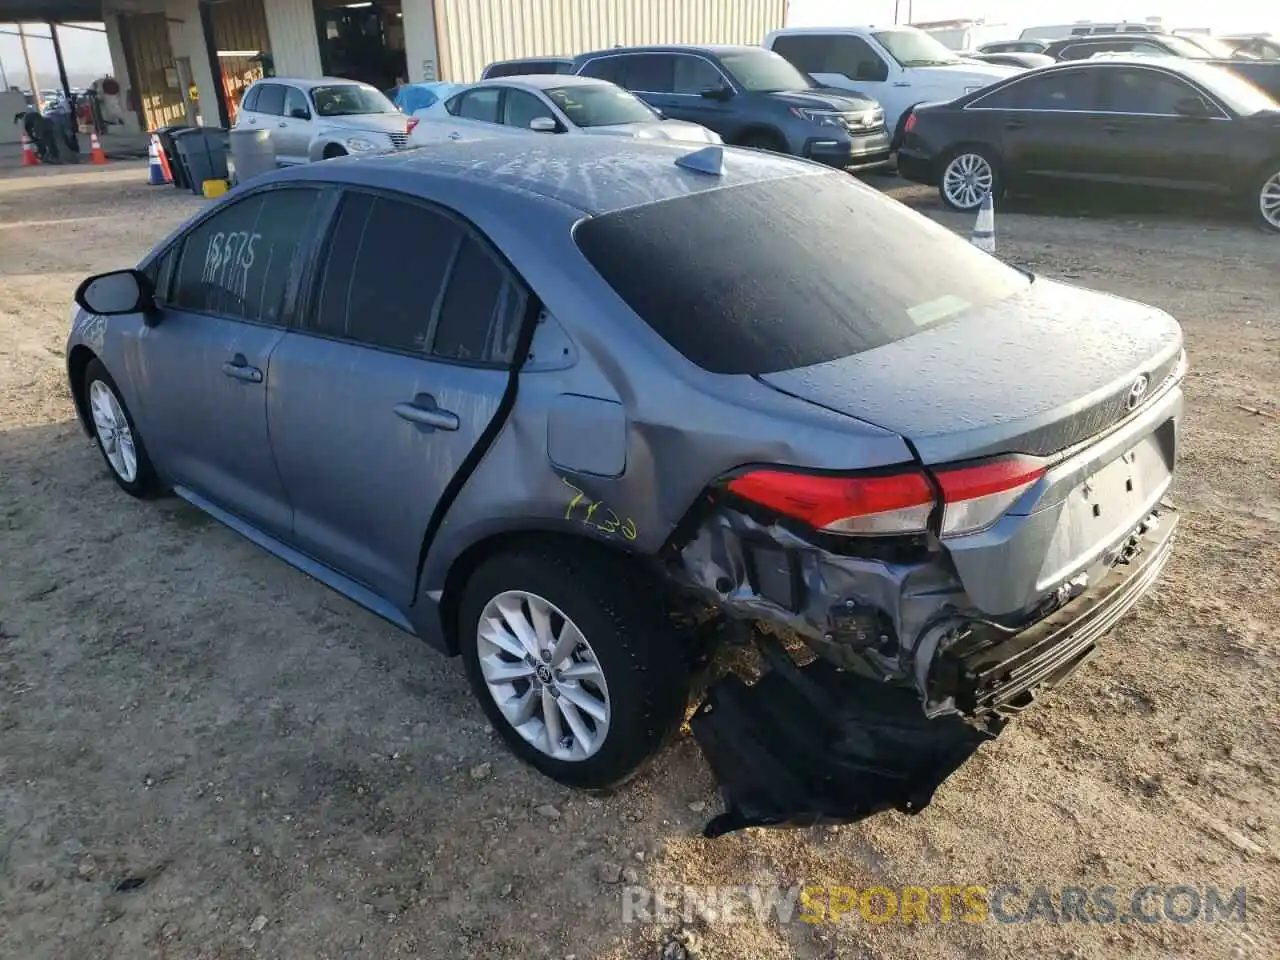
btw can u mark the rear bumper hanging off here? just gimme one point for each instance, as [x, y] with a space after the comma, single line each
[814, 744]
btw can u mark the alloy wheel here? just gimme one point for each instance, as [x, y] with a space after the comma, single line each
[967, 179]
[543, 675]
[1269, 201]
[112, 428]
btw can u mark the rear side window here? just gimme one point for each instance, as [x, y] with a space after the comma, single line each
[480, 313]
[365, 295]
[771, 276]
[251, 98]
[270, 99]
[650, 72]
[480, 104]
[604, 68]
[1074, 89]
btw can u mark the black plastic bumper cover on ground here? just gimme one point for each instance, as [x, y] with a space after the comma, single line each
[814, 744]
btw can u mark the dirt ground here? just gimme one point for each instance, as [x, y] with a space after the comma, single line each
[203, 753]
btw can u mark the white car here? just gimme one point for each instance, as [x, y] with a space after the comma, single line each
[550, 103]
[900, 66]
[318, 119]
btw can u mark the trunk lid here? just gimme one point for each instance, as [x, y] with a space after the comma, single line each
[1085, 380]
[1034, 373]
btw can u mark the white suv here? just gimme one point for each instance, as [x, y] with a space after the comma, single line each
[901, 67]
[317, 119]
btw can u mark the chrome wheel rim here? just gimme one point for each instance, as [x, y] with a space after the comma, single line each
[1269, 201]
[112, 428]
[543, 675]
[967, 179]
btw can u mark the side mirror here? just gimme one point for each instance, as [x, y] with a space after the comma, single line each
[717, 93]
[543, 125]
[116, 293]
[1194, 107]
[300, 113]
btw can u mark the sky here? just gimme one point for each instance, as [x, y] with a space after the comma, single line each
[87, 52]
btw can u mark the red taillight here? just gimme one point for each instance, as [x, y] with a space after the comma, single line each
[910, 124]
[977, 496]
[885, 505]
[409, 124]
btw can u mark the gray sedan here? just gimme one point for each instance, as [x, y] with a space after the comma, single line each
[583, 410]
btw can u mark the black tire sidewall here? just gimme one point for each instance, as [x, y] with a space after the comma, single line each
[759, 140]
[144, 483]
[997, 178]
[625, 629]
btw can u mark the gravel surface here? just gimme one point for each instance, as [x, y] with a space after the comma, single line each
[203, 753]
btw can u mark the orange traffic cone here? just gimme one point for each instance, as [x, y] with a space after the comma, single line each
[164, 160]
[29, 158]
[95, 149]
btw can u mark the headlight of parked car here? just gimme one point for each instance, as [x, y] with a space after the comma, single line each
[823, 118]
[361, 144]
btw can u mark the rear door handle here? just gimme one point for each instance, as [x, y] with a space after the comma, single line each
[424, 411]
[239, 368]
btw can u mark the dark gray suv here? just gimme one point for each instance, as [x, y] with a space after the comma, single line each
[752, 97]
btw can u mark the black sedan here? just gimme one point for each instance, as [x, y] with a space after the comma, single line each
[1138, 122]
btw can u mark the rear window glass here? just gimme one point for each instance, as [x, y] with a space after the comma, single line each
[787, 273]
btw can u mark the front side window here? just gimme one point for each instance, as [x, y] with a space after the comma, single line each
[1146, 91]
[237, 262]
[600, 105]
[757, 70]
[776, 275]
[350, 99]
[295, 104]
[854, 58]
[520, 108]
[693, 75]
[915, 48]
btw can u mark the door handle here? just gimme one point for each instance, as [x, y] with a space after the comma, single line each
[455, 135]
[902, 83]
[281, 124]
[239, 368]
[424, 412]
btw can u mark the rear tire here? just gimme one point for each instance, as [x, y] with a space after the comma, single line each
[968, 173]
[612, 700]
[117, 435]
[1266, 198]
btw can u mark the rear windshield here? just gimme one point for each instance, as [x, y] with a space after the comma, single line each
[771, 276]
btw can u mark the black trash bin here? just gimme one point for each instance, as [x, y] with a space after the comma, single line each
[202, 151]
[165, 135]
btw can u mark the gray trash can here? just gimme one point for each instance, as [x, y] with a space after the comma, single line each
[203, 154]
[252, 153]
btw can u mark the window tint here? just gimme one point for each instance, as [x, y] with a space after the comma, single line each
[481, 104]
[480, 313]
[250, 101]
[603, 68]
[1066, 90]
[160, 272]
[692, 75]
[650, 72]
[1146, 91]
[295, 99]
[521, 107]
[271, 99]
[849, 56]
[786, 273]
[237, 262]
[364, 293]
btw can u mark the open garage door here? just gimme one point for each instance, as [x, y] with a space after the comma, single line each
[240, 36]
[154, 70]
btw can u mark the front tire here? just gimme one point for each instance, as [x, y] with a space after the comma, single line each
[333, 150]
[117, 435]
[1266, 199]
[764, 140]
[572, 661]
[969, 174]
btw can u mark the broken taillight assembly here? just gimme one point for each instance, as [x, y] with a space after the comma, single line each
[974, 497]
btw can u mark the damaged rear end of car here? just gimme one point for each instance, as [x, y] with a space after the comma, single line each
[932, 599]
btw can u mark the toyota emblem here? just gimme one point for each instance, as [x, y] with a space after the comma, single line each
[1136, 392]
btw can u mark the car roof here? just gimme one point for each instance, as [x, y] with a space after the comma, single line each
[308, 83]
[713, 49]
[542, 59]
[594, 175]
[542, 81]
[1135, 36]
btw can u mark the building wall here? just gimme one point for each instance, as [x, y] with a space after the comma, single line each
[292, 25]
[421, 53]
[477, 32]
[186, 38]
[120, 68]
